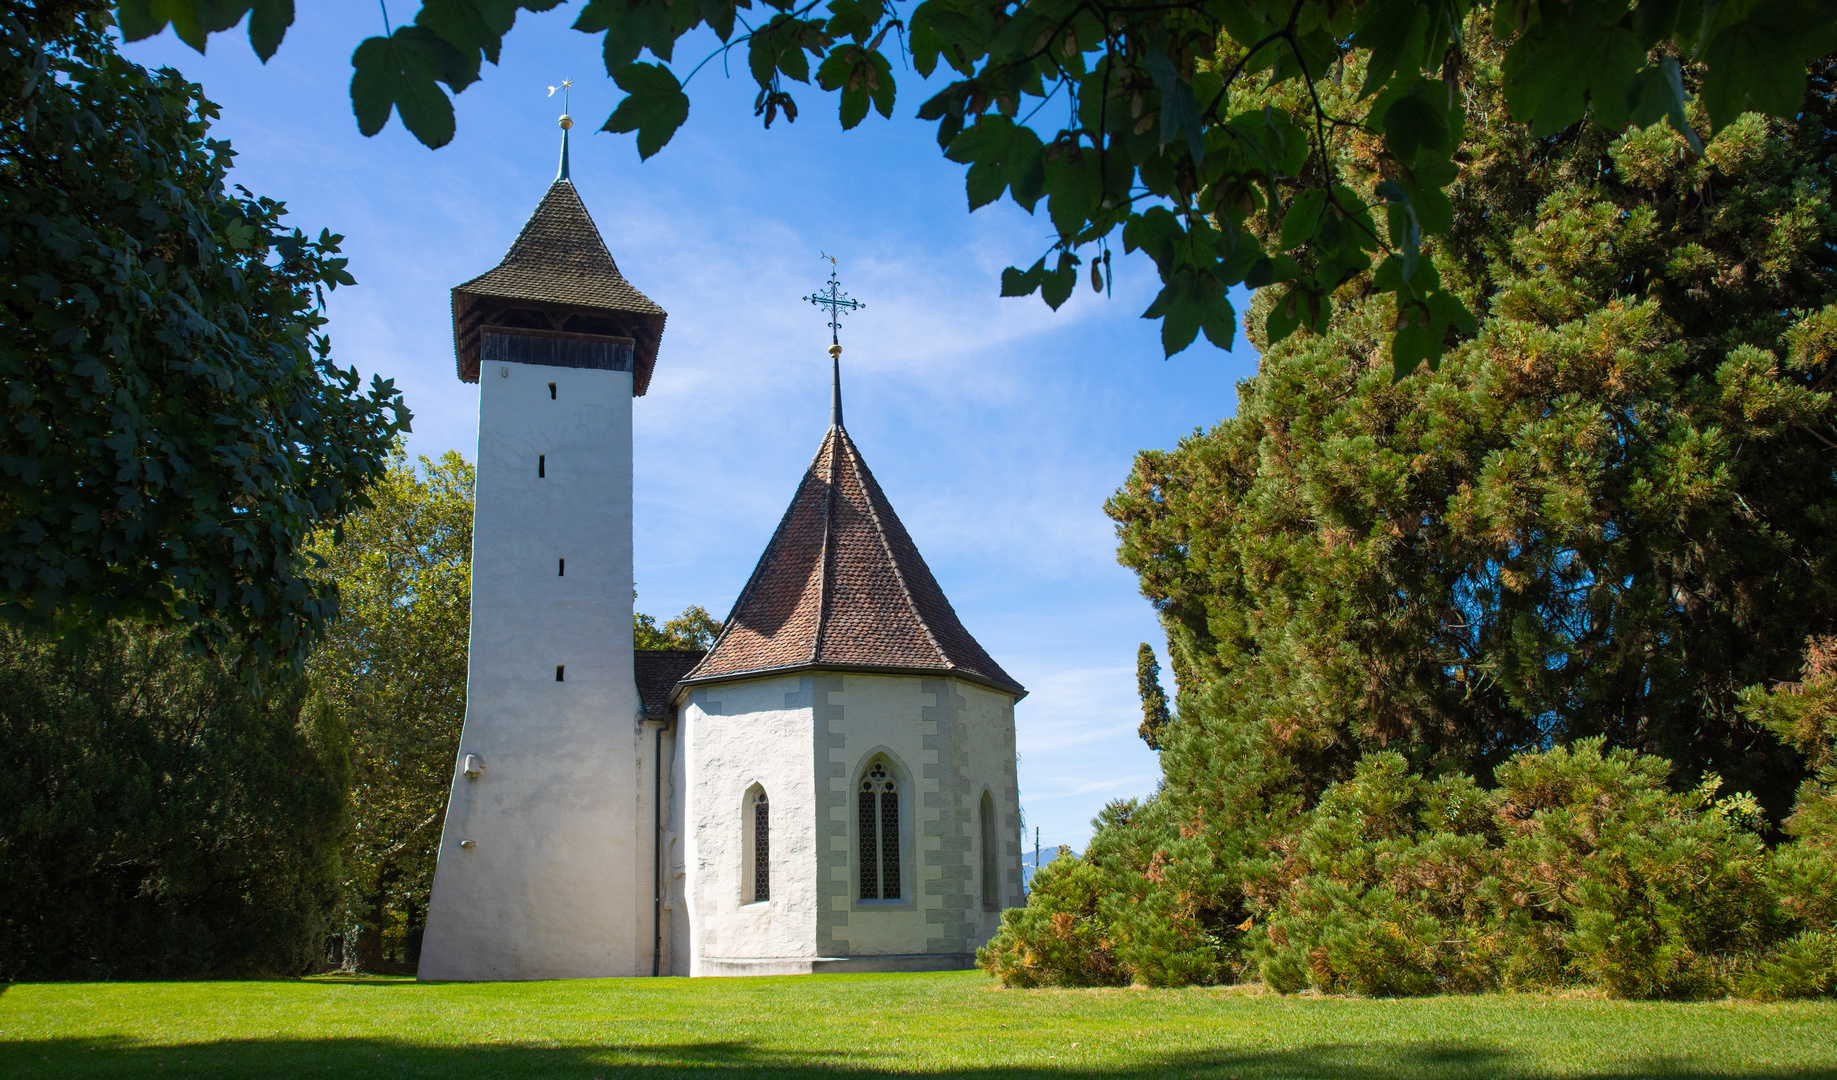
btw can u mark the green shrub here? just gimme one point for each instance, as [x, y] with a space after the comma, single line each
[157, 819]
[1058, 938]
[1804, 966]
[1383, 890]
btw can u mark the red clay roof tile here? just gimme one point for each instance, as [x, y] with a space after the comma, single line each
[842, 585]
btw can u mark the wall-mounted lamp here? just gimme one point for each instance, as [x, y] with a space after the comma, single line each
[467, 844]
[474, 765]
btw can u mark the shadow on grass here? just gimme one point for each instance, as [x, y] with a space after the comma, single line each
[254, 1058]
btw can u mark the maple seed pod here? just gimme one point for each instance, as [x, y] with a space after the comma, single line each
[1070, 45]
[1288, 309]
[1146, 122]
[1135, 105]
[1096, 276]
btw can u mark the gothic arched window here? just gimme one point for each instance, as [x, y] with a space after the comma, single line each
[877, 808]
[991, 883]
[756, 847]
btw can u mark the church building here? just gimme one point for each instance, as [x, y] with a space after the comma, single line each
[831, 787]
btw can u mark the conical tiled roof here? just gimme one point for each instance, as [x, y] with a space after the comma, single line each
[841, 586]
[559, 263]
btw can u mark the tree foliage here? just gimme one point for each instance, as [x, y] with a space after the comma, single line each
[1149, 124]
[1497, 676]
[1606, 515]
[1155, 714]
[693, 629]
[392, 670]
[156, 819]
[175, 424]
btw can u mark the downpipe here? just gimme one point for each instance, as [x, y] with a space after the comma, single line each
[657, 854]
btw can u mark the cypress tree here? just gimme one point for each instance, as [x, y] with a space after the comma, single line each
[1155, 716]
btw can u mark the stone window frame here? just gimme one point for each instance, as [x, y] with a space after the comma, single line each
[748, 848]
[908, 832]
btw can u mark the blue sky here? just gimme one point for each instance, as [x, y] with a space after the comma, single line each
[997, 427]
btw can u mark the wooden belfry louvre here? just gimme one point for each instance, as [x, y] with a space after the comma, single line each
[552, 348]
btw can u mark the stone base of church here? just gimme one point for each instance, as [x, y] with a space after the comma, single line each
[728, 967]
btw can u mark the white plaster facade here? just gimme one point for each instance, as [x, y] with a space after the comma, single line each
[544, 866]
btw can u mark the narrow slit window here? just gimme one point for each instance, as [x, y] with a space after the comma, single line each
[991, 885]
[558, 670]
[561, 568]
[542, 465]
[762, 849]
[877, 809]
[551, 391]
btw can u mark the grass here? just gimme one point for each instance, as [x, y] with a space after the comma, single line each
[957, 1025]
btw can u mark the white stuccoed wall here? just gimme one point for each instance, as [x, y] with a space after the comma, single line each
[806, 739]
[735, 736]
[557, 884]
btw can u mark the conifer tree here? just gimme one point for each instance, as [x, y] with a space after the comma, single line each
[1155, 716]
[1605, 515]
[1464, 656]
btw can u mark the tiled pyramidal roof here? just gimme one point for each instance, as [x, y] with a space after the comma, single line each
[841, 585]
[559, 261]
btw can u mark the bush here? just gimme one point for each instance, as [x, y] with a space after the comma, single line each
[158, 820]
[1057, 939]
[1805, 966]
[1583, 867]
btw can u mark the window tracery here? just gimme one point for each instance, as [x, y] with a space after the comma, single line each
[877, 810]
[762, 849]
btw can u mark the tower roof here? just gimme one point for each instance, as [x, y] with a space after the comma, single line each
[841, 586]
[559, 267]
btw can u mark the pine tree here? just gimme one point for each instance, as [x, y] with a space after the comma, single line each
[1464, 656]
[1605, 515]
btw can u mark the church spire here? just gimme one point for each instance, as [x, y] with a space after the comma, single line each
[837, 301]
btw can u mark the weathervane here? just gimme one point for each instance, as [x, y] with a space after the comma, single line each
[837, 302]
[567, 90]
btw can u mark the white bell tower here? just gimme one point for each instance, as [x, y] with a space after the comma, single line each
[546, 864]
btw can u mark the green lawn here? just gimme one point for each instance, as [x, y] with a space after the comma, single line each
[950, 1025]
